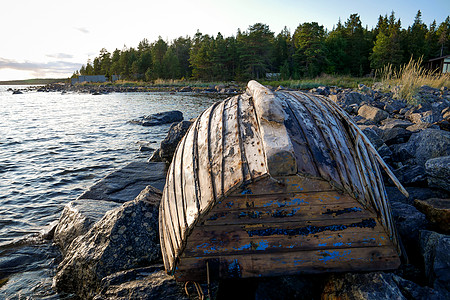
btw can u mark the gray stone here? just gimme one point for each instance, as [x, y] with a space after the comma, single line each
[373, 135]
[435, 249]
[396, 135]
[411, 174]
[126, 183]
[409, 221]
[438, 171]
[77, 218]
[174, 136]
[425, 117]
[427, 144]
[394, 123]
[159, 118]
[125, 238]
[414, 192]
[371, 113]
[145, 283]
[347, 98]
[349, 286]
[437, 212]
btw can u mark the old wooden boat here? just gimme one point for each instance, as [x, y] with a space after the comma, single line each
[270, 183]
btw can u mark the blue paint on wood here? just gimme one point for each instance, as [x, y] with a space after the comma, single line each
[246, 192]
[235, 269]
[332, 255]
[322, 244]
[342, 211]
[367, 223]
[263, 245]
[230, 204]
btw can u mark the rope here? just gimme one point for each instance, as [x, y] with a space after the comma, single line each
[200, 294]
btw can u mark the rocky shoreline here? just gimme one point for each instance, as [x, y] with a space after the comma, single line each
[103, 89]
[109, 235]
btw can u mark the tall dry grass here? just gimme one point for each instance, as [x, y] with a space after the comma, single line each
[406, 80]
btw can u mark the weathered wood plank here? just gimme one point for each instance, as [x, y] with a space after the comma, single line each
[216, 144]
[283, 200]
[279, 151]
[234, 243]
[287, 214]
[204, 167]
[189, 185]
[325, 163]
[232, 163]
[282, 185]
[251, 139]
[306, 262]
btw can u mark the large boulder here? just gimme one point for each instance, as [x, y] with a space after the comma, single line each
[159, 118]
[351, 286]
[126, 183]
[144, 283]
[372, 113]
[437, 212]
[435, 249]
[438, 172]
[426, 144]
[345, 99]
[125, 238]
[409, 221]
[174, 136]
[77, 218]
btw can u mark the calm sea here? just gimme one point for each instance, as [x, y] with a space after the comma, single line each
[52, 147]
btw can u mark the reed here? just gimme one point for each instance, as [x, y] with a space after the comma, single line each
[406, 80]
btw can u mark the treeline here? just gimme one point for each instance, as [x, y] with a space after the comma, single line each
[348, 49]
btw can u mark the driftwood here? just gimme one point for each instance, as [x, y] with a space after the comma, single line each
[270, 183]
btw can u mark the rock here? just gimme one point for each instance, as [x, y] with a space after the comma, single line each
[372, 113]
[438, 171]
[426, 144]
[435, 249]
[390, 123]
[345, 99]
[425, 117]
[125, 238]
[321, 90]
[396, 135]
[186, 89]
[418, 127]
[145, 283]
[159, 118]
[411, 174]
[77, 218]
[437, 212]
[373, 135]
[294, 287]
[125, 184]
[393, 106]
[412, 290]
[143, 148]
[174, 136]
[349, 286]
[421, 193]
[385, 152]
[409, 221]
[156, 156]
[17, 92]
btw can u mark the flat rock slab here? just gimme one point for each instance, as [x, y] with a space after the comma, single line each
[437, 212]
[159, 118]
[126, 183]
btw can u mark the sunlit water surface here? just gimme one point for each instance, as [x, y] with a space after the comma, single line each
[52, 147]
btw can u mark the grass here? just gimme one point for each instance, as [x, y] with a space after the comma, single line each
[406, 80]
[323, 80]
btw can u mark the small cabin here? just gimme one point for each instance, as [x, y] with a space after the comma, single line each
[275, 183]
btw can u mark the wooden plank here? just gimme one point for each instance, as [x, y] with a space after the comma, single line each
[282, 185]
[232, 163]
[281, 229]
[178, 186]
[241, 243]
[291, 213]
[287, 200]
[279, 151]
[216, 148]
[204, 168]
[306, 262]
[189, 191]
[325, 163]
[251, 139]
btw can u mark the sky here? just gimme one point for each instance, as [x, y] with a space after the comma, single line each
[53, 38]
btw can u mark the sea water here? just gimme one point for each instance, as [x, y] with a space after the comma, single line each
[52, 147]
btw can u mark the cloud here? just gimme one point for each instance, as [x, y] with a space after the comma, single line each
[39, 68]
[60, 55]
[82, 30]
